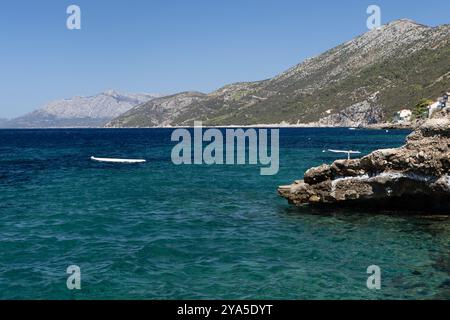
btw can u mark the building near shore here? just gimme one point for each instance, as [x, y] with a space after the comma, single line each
[440, 104]
[402, 116]
[433, 108]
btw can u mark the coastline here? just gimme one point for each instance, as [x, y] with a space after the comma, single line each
[378, 126]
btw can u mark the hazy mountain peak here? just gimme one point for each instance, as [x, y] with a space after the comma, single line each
[111, 92]
[83, 110]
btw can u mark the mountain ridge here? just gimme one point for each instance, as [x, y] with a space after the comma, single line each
[81, 111]
[359, 82]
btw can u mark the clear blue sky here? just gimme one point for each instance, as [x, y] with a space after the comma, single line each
[170, 46]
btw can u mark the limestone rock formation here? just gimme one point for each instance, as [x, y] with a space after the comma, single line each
[415, 176]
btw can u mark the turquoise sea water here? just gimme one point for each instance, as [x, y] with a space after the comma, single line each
[160, 231]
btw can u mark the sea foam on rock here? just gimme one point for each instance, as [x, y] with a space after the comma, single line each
[415, 176]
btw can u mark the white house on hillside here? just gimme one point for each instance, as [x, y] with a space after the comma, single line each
[403, 116]
[438, 105]
[433, 107]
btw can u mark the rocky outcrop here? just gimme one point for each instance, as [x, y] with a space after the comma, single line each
[415, 176]
[157, 112]
[360, 114]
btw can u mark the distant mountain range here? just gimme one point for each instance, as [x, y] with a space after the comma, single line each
[92, 111]
[3, 122]
[359, 82]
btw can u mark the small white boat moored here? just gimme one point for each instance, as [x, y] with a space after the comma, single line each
[113, 160]
[348, 152]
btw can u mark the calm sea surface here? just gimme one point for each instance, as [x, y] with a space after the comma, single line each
[160, 231]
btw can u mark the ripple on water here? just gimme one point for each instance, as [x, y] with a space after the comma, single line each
[164, 231]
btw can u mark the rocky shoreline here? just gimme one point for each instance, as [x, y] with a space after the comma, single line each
[394, 126]
[414, 177]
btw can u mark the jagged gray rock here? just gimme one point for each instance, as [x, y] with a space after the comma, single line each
[157, 112]
[360, 114]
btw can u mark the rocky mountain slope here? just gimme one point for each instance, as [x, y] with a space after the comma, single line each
[92, 111]
[359, 82]
[158, 112]
[413, 177]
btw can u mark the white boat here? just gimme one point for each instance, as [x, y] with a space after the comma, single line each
[348, 152]
[113, 160]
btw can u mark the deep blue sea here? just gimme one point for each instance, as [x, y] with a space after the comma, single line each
[161, 231]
